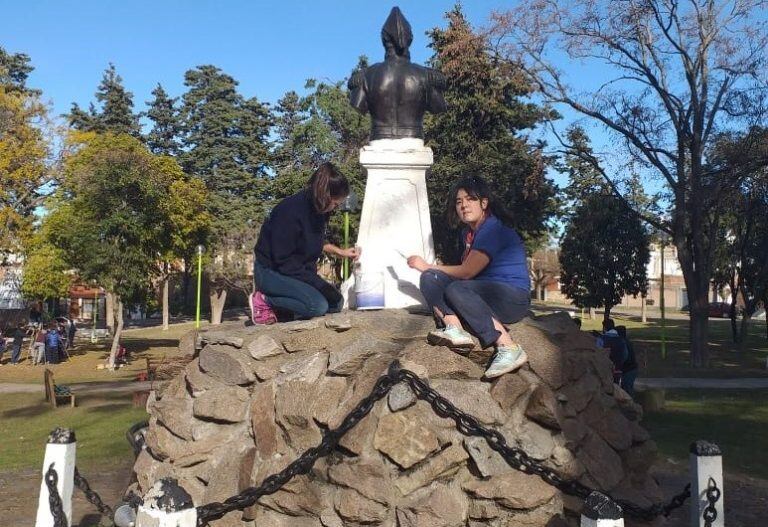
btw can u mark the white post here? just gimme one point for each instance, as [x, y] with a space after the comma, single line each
[601, 511]
[166, 504]
[706, 462]
[59, 452]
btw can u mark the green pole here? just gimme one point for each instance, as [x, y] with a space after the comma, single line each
[345, 265]
[199, 283]
[661, 305]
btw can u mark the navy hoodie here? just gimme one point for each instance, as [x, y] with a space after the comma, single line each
[291, 240]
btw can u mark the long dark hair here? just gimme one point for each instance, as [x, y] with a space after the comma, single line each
[478, 189]
[326, 184]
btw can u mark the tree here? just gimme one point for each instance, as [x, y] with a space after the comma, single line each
[14, 71]
[225, 139]
[604, 254]
[116, 113]
[25, 175]
[482, 132]
[675, 75]
[544, 266]
[743, 231]
[165, 134]
[583, 177]
[109, 216]
[320, 126]
[46, 274]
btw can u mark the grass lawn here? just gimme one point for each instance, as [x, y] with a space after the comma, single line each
[140, 342]
[726, 360]
[100, 422]
[736, 420]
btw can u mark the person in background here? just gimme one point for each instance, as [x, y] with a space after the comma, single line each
[2, 345]
[38, 349]
[611, 340]
[71, 329]
[289, 246]
[52, 344]
[18, 340]
[489, 288]
[630, 368]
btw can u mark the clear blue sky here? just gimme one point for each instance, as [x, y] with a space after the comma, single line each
[269, 47]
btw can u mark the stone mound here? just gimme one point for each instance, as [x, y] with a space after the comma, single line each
[255, 398]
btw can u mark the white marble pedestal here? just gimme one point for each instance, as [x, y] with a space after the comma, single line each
[395, 219]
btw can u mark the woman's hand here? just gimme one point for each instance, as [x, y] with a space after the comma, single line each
[418, 263]
[352, 252]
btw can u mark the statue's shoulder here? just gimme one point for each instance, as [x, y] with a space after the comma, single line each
[357, 80]
[435, 78]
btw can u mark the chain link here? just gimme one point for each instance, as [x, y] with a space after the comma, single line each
[82, 484]
[54, 500]
[713, 495]
[466, 424]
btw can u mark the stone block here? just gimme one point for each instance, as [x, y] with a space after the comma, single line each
[365, 476]
[228, 367]
[403, 439]
[472, 397]
[264, 347]
[351, 358]
[505, 490]
[488, 461]
[602, 462]
[356, 509]
[438, 466]
[440, 362]
[401, 397]
[444, 506]
[544, 356]
[228, 404]
[223, 338]
[542, 407]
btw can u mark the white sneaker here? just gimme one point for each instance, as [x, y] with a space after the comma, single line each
[507, 359]
[452, 337]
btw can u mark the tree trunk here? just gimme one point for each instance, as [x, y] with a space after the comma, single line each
[734, 328]
[218, 299]
[186, 278]
[591, 313]
[643, 310]
[607, 313]
[110, 301]
[166, 316]
[699, 328]
[538, 291]
[118, 304]
[744, 332]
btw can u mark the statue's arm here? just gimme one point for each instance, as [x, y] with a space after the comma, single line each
[435, 100]
[356, 87]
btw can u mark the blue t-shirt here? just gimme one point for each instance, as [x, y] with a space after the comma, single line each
[506, 251]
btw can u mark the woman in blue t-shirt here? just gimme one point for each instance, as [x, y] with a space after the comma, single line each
[490, 287]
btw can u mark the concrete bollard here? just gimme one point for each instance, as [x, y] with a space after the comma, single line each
[167, 504]
[59, 452]
[601, 511]
[706, 462]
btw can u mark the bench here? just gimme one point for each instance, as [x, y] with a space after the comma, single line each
[54, 393]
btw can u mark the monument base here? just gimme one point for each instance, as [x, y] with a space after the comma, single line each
[395, 220]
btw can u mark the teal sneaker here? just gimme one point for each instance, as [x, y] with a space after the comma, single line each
[452, 337]
[507, 359]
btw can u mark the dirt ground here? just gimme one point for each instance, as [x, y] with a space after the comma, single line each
[746, 499]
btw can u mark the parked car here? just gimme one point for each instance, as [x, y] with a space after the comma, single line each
[716, 310]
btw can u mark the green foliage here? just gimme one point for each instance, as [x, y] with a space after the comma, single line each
[45, 272]
[583, 177]
[482, 133]
[14, 71]
[321, 126]
[109, 218]
[24, 172]
[604, 253]
[116, 114]
[225, 145]
[164, 136]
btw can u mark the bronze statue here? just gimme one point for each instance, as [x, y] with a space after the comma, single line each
[396, 92]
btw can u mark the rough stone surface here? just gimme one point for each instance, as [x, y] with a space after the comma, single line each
[257, 397]
[404, 440]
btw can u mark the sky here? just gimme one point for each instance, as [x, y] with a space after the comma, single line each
[270, 47]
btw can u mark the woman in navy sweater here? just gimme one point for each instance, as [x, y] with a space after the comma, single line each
[289, 246]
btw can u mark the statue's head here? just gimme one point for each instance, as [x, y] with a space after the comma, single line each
[396, 35]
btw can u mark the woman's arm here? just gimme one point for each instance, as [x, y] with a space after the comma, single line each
[472, 266]
[352, 252]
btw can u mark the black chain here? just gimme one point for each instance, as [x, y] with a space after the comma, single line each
[82, 484]
[54, 500]
[713, 495]
[465, 424]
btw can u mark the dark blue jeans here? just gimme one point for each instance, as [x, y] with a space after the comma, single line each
[15, 353]
[475, 302]
[300, 298]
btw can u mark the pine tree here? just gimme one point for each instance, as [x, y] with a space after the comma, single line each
[164, 136]
[14, 71]
[116, 112]
[482, 132]
[584, 178]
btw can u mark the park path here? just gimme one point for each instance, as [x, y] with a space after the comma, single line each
[745, 383]
[80, 387]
